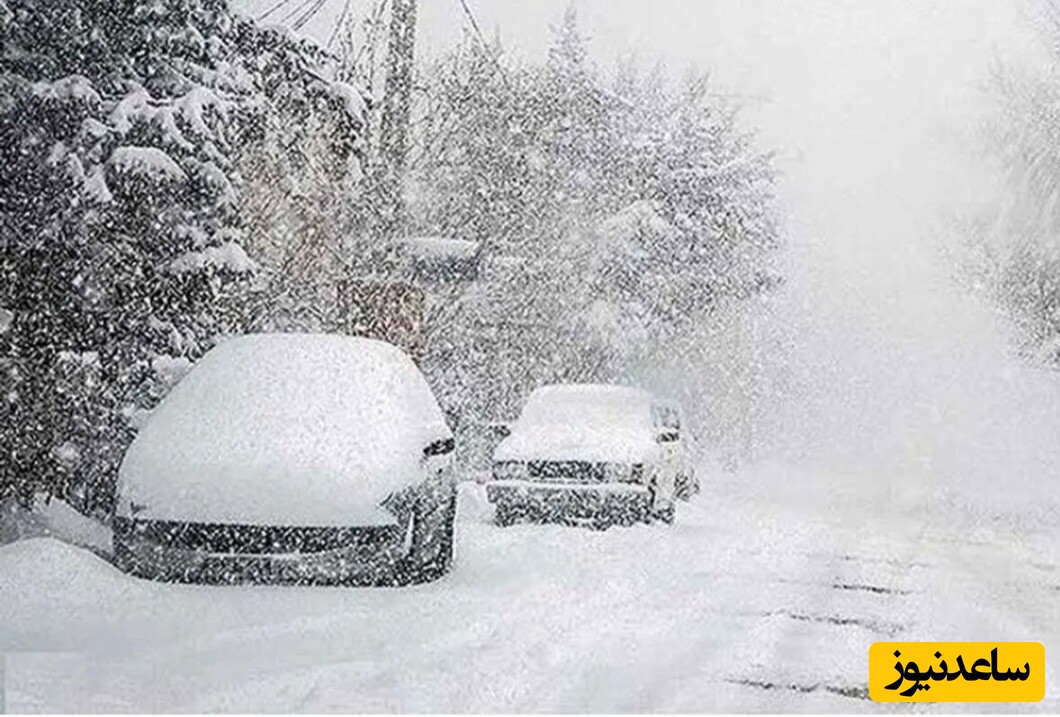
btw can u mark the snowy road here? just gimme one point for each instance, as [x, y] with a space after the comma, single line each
[764, 596]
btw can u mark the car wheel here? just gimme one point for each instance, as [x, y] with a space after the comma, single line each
[122, 556]
[125, 559]
[659, 503]
[667, 514]
[448, 536]
[682, 488]
[603, 523]
[431, 554]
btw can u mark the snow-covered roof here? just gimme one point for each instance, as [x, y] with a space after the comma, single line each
[228, 256]
[589, 422]
[508, 261]
[641, 217]
[588, 393]
[285, 429]
[441, 248]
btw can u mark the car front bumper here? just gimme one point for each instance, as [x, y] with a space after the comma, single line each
[366, 558]
[416, 549]
[622, 502]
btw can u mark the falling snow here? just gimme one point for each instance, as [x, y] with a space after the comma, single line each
[291, 289]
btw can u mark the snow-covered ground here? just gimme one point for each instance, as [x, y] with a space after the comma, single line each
[765, 595]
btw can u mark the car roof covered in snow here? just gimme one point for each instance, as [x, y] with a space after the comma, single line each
[589, 403]
[593, 392]
[284, 430]
[583, 422]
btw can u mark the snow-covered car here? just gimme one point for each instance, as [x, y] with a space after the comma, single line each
[291, 459]
[588, 452]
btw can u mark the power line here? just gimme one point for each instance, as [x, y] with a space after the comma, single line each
[303, 12]
[308, 15]
[272, 9]
[338, 25]
[493, 55]
[297, 11]
[302, 5]
[473, 21]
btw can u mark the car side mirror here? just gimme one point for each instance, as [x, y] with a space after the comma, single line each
[441, 447]
[667, 436]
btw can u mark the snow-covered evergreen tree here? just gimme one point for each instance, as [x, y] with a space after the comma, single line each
[1014, 249]
[123, 125]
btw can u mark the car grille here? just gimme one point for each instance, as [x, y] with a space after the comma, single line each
[254, 539]
[567, 471]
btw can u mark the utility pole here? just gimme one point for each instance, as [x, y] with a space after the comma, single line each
[394, 119]
[390, 311]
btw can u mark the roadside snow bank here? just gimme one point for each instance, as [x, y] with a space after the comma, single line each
[763, 597]
[51, 566]
[52, 519]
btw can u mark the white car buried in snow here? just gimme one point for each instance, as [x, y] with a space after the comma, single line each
[606, 454]
[291, 459]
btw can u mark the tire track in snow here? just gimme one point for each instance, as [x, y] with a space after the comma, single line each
[850, 591]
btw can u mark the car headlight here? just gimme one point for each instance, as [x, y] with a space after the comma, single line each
[510, 470]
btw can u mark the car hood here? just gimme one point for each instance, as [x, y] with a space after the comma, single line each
[566, 443]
